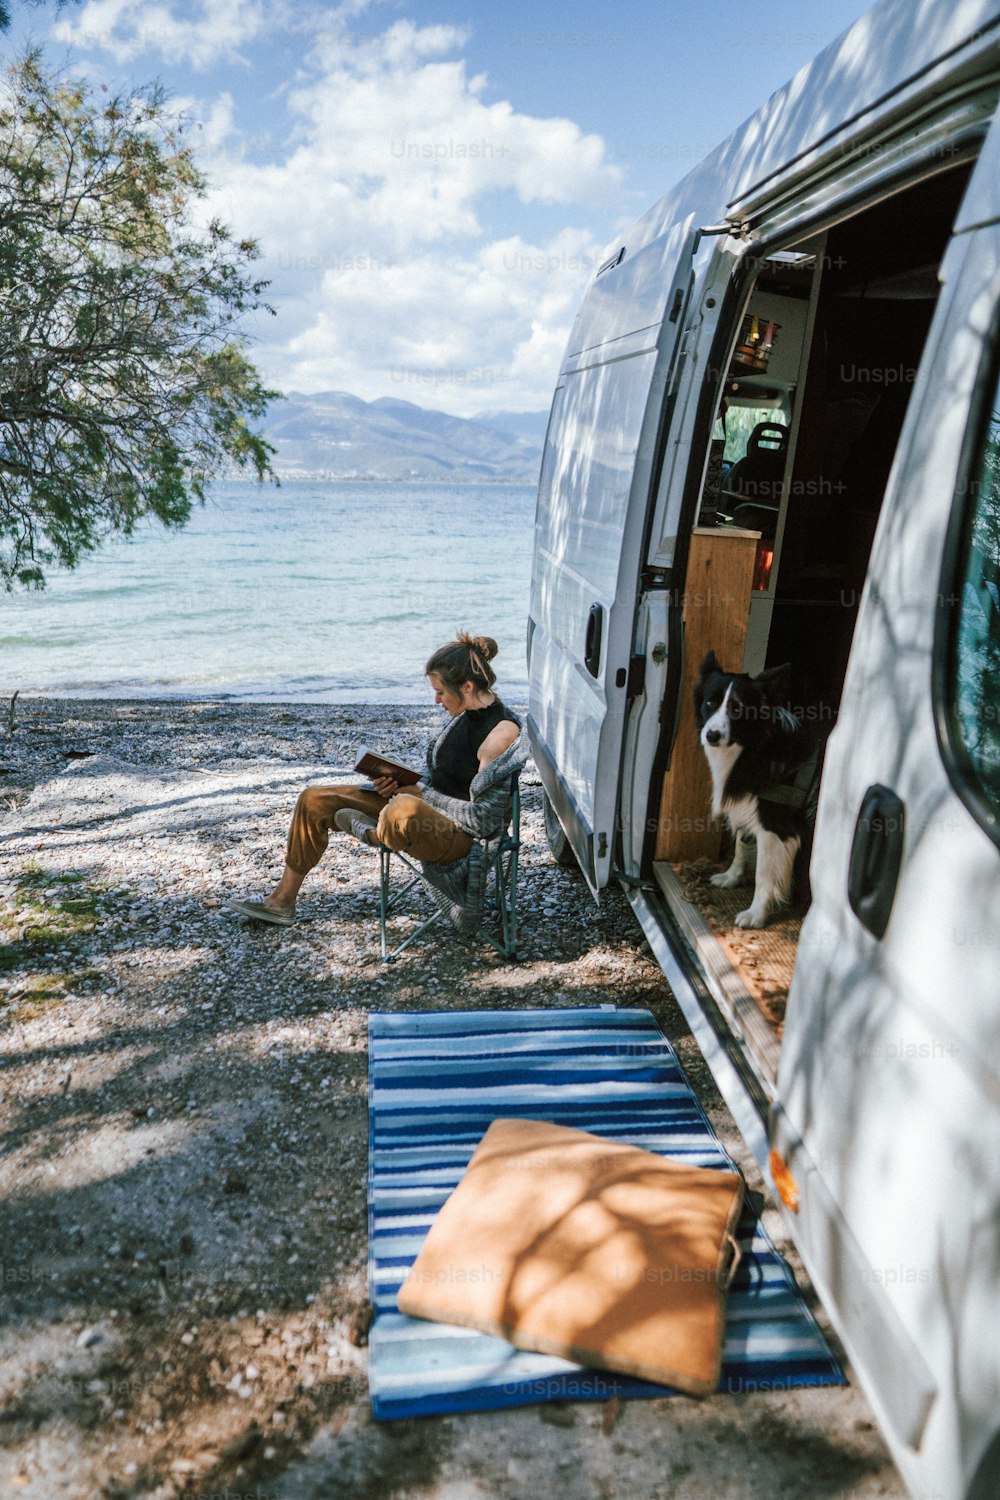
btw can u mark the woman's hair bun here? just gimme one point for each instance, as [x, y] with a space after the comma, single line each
[485, 645]
[465, 659]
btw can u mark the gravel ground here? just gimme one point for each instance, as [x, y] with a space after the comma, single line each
[183, 1258]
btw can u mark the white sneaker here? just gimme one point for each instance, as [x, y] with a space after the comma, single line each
[349, 820]
[258, 912]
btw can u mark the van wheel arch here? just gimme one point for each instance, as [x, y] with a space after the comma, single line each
[555, 836]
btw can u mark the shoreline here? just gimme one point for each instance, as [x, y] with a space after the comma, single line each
[287, 476]
[233, 697]
[184, 732]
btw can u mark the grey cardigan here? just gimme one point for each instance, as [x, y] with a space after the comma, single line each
[459, 887]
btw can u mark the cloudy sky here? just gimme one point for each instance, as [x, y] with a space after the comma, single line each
[430, 181]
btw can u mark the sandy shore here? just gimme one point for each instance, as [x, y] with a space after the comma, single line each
[183, 1262]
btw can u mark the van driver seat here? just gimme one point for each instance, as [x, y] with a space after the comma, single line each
[752, 487]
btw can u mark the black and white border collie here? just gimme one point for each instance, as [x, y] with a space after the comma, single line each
[753, 742]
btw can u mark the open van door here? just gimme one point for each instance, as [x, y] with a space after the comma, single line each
[597, 471]
[889, 1082]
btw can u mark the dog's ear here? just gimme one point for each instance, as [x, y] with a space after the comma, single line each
[709, 665]
[776, 682]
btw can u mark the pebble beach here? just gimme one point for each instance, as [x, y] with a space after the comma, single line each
[183, 1115]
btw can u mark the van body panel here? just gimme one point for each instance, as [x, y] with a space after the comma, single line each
[622, 346]
[899, 1382]
[949, 132]
[589, 526]
[880, 67]
[716, 266]
[890, 1065]
[979, 206]
[624, 299]
[661, 602]
[651, 636]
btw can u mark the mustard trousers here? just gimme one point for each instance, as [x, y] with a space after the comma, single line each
[404, 823]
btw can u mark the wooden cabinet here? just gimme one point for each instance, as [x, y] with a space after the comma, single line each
[716, 617]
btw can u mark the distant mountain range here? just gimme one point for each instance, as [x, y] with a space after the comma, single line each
[331, 435]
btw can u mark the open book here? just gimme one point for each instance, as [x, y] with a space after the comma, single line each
[372, 763]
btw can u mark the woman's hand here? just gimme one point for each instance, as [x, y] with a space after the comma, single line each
[387, 786]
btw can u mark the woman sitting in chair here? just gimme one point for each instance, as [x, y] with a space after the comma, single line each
[463, 798]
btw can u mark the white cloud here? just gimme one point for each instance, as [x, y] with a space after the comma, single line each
[399, 114]
[127, 28]
[393, 215]
[463, 331]
[372, 228]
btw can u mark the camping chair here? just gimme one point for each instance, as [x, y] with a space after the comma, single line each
[503, 860]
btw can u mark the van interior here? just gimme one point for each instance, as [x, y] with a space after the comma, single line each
[816, 383]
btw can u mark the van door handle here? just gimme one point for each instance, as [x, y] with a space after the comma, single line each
[876, 856]
[592, 645]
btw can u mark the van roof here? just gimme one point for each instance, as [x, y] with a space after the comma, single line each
[897, 49]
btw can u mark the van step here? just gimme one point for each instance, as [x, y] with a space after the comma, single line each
[747, 971]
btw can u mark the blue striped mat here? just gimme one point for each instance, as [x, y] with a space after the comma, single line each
[436, 1081]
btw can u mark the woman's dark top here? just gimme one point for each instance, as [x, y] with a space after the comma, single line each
[456, 753]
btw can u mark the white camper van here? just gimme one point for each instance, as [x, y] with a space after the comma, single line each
[776, 434]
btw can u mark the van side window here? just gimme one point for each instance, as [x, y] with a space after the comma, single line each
[973, 696]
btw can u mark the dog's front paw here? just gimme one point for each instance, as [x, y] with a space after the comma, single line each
[754, 916]
[726, 879]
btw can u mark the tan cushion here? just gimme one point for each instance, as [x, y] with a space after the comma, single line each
[570, 1244]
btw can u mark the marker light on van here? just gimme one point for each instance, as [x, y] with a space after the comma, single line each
[785, 1185]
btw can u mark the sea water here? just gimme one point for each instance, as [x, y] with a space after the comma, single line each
[325, 592]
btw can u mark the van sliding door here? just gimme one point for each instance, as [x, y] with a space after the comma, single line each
[593, 495]
[889, 1081]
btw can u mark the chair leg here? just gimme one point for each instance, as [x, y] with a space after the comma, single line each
[383, 901]
[418, 932]
[504, 892]
[505, 875]
[504, 868]
[388, 902]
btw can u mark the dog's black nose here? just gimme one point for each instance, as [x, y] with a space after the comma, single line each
[713, 736]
